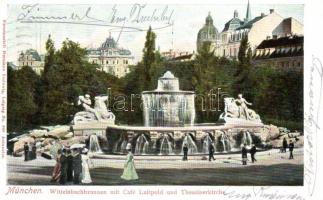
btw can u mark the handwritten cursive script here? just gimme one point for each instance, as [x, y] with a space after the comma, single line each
[138, 14]
[311, 126]
[260, 193]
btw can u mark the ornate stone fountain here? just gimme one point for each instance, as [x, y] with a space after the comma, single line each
[169, 115]
[168, 105]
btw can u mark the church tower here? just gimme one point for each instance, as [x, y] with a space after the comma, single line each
[207, 34]
[248, 13]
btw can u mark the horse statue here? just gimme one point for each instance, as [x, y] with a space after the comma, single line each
[234, 111]
[99, 113]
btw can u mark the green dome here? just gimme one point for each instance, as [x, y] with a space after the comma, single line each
[208, 32]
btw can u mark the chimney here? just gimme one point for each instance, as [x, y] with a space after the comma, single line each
[271, 11]
[262, 14]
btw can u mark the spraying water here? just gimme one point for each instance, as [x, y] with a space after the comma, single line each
[192, 148]
[207, 141]
[94, 146]
[168, 105]
[120, 146]
[246, 138]
[225, 142]
[165, 146]
[142, 145]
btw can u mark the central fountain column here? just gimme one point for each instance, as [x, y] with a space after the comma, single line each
[168, 105]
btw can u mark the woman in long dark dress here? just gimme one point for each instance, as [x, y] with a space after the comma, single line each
[69, 166]
[244, 153]
[56, 175]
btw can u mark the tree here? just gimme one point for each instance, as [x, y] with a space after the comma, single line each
[242, 82]
[50, 51]
[69, 76]
[22, 107]
[149, 56]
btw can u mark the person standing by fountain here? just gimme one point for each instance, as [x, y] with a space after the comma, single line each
[34, 151]
[244, 154]
[56, 175]
[69, 165]
[86, 177]
[77, 166]
[63, 161]
[185, 151]
[253, 151]
[284, 145]
[26, 151]
[129, 171]
[291, 148]
[211, 152]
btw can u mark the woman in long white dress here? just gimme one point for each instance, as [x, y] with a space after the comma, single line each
[129, 171]
[86, 176]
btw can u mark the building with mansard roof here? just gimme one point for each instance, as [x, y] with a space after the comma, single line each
[32, 59]
[111, 58]
[257, 29]
[286, 53]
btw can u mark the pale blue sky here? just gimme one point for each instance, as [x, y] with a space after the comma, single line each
[187, 19]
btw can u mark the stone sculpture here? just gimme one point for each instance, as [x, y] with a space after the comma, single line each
[99, 113]
[236, 110]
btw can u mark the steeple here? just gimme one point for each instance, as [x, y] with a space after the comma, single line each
[248, 13]
[235, 14]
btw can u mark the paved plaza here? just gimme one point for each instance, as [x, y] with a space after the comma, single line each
[272, 168]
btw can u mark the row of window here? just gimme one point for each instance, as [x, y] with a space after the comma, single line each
[237, 36]
[26, 57]
[113, 62]
[233, 52]
[27, 63]
[116, 71]
[286, 64]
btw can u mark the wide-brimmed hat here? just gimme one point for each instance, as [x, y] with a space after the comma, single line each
[85, 150]
[128, 147]
[77, 146]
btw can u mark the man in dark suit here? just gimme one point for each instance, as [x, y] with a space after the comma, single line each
[284, 145]
[291, 148]
[34, 151]
[211, 152]
[185, 151]
[63, 161]
[69, 165]
[77, 166]
[253, 151]
[26, 151]
[244, 155]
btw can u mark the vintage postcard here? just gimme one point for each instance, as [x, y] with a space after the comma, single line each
[161, 100]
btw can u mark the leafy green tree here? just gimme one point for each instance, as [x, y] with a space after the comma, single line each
[22, 107]
[242, 82]
[149, 56]
[51, 99]
[50, 54]
[68, 77]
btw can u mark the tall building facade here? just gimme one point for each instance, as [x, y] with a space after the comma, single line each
[111, 58]
[256, 29]
[32, 59]
[285, 53]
